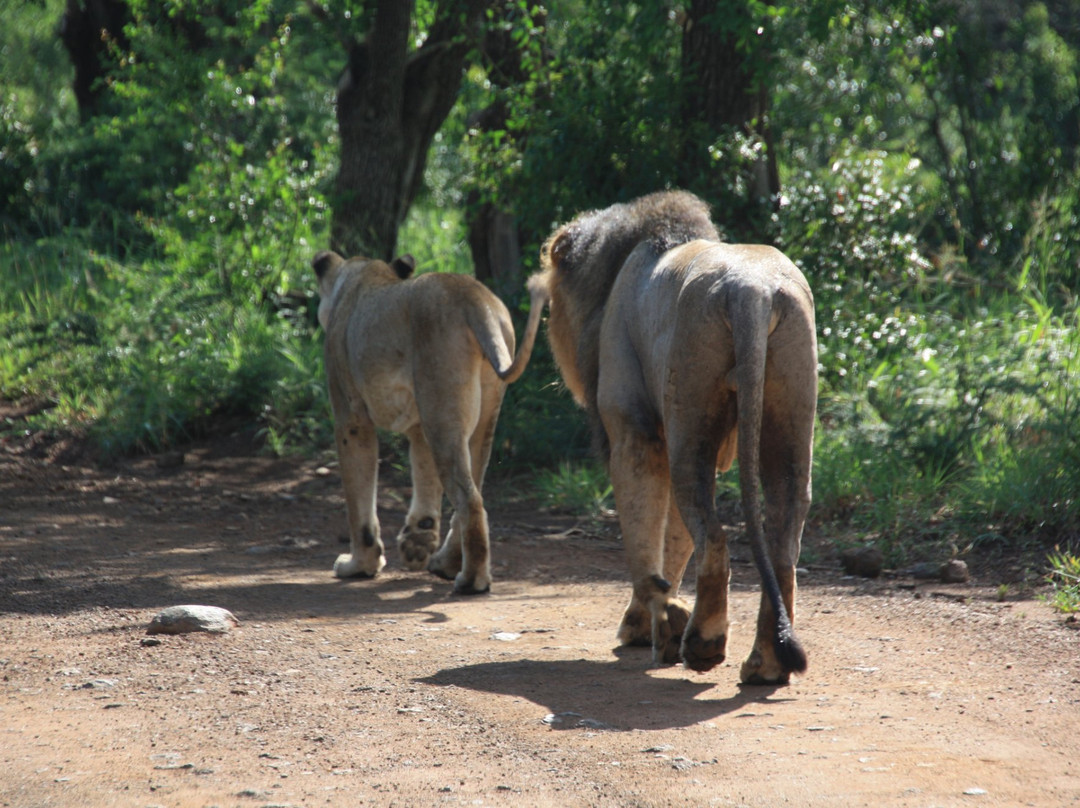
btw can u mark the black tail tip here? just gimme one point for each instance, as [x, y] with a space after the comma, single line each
[789, 650]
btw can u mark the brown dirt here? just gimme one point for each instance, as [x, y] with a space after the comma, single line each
[396, 692]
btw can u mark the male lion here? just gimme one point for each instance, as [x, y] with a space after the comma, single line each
[429, 357]
[685, 352]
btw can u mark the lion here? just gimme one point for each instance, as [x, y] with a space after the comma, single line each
[687, 352]
[429, 357]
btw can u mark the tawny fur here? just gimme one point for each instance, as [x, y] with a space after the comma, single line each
[429, 357]
[686, 352]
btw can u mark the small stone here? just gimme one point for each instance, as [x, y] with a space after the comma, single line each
[187, 619]
[924, 571]
[866, 562]
[955, 572]
[561, 719]
[100, 684]
[170, 460]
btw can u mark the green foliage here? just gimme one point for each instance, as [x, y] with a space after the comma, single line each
[983, 94]
[435, 237]
[578, 488]
[156, 282]
[1064, 578]
[168, 289]
[539, 423]
[597, 122]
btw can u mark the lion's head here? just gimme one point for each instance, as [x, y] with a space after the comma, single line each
[579, 263]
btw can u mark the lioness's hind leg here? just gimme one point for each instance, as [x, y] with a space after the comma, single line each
[358, 455]
[464, 554]
[419, 537]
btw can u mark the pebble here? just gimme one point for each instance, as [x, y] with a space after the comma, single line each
[170, 460]
[955, 572]
[187, 619]
[866, 562]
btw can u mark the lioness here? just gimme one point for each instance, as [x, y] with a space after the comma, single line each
[430, 357]
[686, 351]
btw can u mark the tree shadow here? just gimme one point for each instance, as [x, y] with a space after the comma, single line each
[606, 695]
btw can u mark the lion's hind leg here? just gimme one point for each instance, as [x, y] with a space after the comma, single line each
[639, 478]
[787, 436]
[419, 537]
[637, 622]
[693, 463]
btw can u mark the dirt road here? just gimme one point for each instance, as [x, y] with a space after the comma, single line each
[395, 692]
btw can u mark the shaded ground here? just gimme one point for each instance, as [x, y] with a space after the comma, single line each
[396, 692]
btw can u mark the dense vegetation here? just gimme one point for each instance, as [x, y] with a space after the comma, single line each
[155, 253]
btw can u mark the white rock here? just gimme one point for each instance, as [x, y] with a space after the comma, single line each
[186, 619]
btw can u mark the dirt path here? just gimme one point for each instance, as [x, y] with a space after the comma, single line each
[395, 692]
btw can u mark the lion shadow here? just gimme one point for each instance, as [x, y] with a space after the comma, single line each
[613, 695]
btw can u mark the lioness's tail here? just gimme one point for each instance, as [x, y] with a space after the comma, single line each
[751, 321]
[509, 373]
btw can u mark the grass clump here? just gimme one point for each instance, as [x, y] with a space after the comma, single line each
[580, 488]
[1064, 579]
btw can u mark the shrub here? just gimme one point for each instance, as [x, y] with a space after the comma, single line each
[1064, 578]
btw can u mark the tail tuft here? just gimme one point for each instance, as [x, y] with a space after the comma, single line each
[789, 650]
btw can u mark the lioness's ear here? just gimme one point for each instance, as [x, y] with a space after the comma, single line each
[324, 261]
[404, 265]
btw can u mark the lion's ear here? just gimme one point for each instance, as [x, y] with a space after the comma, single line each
[560, 248]
[404, 265]
[324, 261]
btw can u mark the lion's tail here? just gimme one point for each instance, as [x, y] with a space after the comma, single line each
[495, 349]
[750, 354]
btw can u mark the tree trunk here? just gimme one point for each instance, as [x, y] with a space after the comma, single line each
[723, 94]
[86, 29]
[390, 104]
[494, 237]
[496, 248]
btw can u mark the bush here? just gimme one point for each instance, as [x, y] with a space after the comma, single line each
[1064, 578]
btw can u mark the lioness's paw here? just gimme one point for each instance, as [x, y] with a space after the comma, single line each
[678, 615]
[480, 585]
[636, 625]
[348, 566]
[443, 566]
[416, 547]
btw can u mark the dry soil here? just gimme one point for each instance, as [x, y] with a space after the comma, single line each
[394, 691]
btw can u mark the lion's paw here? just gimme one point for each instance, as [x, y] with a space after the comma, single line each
[701, 654]
[416, 547]
[755, 671]
[667, 633]
[348, 565]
